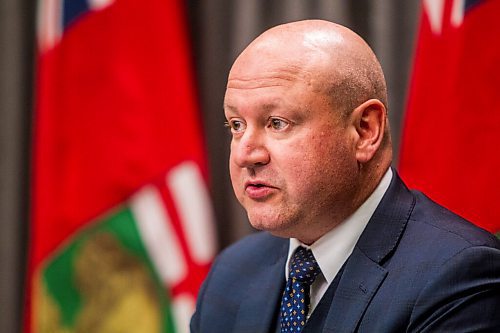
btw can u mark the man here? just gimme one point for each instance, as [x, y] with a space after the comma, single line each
[347, 247]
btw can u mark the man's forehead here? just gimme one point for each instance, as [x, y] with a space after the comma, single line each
[280, 75]
[285, 64]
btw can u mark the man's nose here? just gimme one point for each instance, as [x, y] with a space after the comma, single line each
[250, 150]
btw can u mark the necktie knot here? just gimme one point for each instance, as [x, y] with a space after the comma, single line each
[303, 266]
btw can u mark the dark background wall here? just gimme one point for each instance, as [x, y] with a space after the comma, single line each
[16, 72]
[220, 29]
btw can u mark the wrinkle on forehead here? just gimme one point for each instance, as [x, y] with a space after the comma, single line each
[284, 76]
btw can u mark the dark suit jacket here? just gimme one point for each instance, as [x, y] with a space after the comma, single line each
[416, 268]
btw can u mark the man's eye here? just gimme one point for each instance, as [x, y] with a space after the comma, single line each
[278, 124]
[235, 125]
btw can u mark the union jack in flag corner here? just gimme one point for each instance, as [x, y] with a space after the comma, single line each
[122, 229]
[449, 145]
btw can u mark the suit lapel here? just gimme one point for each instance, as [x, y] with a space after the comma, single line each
[258, 311]
[358, 284]
[363, 272]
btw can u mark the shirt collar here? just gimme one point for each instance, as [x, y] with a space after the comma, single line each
[334, 247]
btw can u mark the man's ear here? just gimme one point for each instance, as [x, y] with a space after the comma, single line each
[369, 120]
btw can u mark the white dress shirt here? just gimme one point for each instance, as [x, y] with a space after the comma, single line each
[334, 247]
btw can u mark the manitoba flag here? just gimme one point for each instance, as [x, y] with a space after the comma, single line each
[122, 230]
[449, 145]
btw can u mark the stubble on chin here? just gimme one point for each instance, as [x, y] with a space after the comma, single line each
[279, 223]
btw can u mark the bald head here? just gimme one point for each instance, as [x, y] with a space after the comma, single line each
[306, 101]
[335, 60]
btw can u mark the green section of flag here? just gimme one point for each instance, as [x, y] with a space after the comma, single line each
[110, 246]
[58, 277]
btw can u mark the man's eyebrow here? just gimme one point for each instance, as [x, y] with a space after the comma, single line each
[230, 108]
[265, 107]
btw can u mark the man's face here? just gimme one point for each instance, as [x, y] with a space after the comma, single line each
[292, 160]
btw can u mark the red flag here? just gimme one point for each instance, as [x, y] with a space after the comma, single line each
[121, 230]
[449, 147]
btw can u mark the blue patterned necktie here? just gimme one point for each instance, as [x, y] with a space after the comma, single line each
[295, 302]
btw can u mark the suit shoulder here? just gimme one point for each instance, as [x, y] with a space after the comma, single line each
[450, 227]
[257, 245]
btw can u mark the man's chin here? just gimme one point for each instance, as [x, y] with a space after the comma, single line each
[276, 228]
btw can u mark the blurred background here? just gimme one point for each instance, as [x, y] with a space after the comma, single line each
[218, 30]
